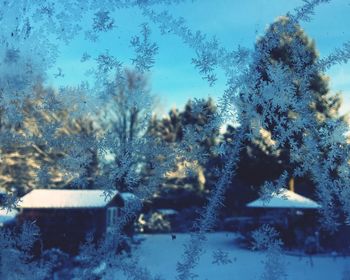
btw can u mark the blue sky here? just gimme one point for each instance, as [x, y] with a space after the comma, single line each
[174, 79]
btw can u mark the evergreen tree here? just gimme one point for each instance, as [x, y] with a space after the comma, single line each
[284, 53]
[195, 176]
[295, 51]
[287, 48]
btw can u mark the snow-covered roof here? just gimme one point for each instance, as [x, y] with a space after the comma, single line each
[43, 198]
[285, 199]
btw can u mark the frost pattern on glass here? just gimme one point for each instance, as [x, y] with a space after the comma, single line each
[64, 146]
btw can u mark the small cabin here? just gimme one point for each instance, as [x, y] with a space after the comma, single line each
[65, 217]
[293, 215]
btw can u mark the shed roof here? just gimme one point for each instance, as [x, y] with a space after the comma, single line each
[285, 199]
[50, 198]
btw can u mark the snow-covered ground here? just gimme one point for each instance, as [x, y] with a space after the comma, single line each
[160, 253]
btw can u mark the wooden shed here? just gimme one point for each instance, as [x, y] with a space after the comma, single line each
[293, 215]
[65, 217]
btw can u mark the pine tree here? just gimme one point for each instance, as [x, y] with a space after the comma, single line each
[295, 51]
[284, 50]
[194, 176]
[284, 53]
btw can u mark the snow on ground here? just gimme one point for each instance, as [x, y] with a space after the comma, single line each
[7, 215]
[160, 253]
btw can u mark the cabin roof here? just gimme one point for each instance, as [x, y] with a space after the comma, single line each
[49, 198]
[285, 199]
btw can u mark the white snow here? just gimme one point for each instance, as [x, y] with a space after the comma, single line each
[160, 253]
[44, 198]
[285, 199]
[7, 216]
